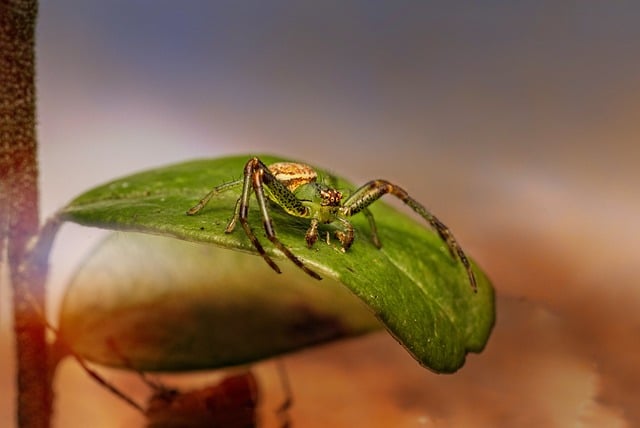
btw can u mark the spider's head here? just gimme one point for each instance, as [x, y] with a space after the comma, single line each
[330, 197]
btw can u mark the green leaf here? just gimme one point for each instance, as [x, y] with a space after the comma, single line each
[412, 284]
[155, 303]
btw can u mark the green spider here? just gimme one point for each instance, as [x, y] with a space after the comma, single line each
[294, 187]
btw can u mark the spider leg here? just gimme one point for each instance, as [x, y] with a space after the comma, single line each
[257, 172]
[372, 227]
[236, 213]
[375, 189]
[242, 210]
[312, 233]
[347, 235]
[215, 191]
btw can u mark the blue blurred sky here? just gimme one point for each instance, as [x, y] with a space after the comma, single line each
[508, 72]
[472, 94]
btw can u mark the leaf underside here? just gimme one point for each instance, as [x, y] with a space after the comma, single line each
[412, 284]
[157, 303]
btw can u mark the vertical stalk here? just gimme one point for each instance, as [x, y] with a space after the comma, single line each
[19, 213]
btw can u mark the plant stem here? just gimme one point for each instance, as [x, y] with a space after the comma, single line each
[19, 216]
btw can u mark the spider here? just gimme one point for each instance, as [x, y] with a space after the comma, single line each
[294, 187]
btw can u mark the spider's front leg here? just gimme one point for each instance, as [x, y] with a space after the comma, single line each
[241, 212]
[375, 189]
[347, 235]
[312, 233]
[256, 176]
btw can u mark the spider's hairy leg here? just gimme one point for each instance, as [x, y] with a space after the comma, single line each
[258, 173]
[236, 213]
[346, 235]
[312, 233]
[215, 191]
[372, 227]
[242, 212]
[375, 189]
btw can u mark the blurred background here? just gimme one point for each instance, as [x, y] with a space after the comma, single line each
[516, 122]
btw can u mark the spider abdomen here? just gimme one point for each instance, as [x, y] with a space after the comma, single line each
[292, 174]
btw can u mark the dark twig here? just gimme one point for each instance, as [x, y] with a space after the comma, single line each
[19, 220]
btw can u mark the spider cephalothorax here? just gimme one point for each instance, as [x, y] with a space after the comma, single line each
[294, 187]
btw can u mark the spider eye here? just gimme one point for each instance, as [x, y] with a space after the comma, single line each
[330, 197]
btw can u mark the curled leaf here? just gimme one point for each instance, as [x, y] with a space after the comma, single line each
[412, 284]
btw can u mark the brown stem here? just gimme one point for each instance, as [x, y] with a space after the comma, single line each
[19, 216]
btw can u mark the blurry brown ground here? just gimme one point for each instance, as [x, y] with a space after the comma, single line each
[525, 142]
